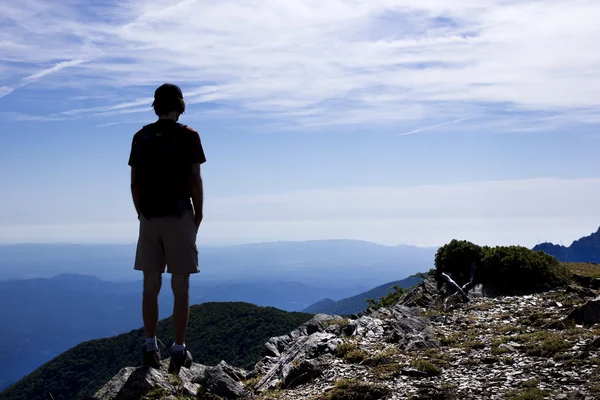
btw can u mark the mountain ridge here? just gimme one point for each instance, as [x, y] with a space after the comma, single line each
[584, 249]
[358, 303]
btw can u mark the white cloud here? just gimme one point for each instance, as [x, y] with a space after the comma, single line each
[365, 62]
[495, 212]
[8, 89]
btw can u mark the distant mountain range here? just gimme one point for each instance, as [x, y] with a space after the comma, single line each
[586, 249]
[314, 263]
[358, 303]
[234, 332]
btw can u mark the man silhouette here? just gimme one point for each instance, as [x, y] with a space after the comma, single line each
[165, 163]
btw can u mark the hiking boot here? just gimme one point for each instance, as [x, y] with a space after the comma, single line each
[180, 359]
[151, 358]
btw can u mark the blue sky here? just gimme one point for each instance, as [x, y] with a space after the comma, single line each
[391, 121]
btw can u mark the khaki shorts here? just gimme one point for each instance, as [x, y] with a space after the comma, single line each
[170, 242]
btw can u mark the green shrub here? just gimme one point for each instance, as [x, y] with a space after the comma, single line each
[455, 259]
[502, 270]
[519, 270]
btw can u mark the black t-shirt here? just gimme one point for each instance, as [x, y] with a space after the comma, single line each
[162, 154]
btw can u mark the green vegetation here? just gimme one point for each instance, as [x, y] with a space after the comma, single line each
[396, 295]
[350, 352]
[350, 389]
[528, 391]
[337, 321]
[503, 270]
[425, 366]
[234, 332]
[389, 299]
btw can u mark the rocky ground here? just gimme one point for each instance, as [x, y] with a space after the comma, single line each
[521, 347]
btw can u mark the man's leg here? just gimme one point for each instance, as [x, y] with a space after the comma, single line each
[180, 283]
[152, 285]
[182, 260]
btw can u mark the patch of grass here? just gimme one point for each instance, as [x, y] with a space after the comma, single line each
[503, 316]
[475, 344]
[387, 371]
[202, 395]
[472, 361]
[548, 347]
[562, 356]
[496, 351]
[587, 269]
[508, 360]
[500, 340]
[528, 394]
[345, 348]
[250, 383]
[355, 356]
[436, 357]
[384, 357]
[485, 306]
[350, 352]
[337, 321]
[508, 329]
[537, 319]
[531, 383]
[528, 391]
[446, 391]
[156, 394]
[450, 339]
[350, 389]
[543, 343]
[162, 394]
[425, 366]
[432, 313]
[271, 395]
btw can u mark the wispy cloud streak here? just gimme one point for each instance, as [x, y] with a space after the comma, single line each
[308, 62]
[8, 89]
[430, 127]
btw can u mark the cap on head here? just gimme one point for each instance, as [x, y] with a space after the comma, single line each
[168, 97]
[168, 92]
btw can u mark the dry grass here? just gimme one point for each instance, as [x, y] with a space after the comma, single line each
[350, 352]
[586, 269]
[350, 389]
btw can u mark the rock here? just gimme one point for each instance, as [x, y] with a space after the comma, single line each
[292, 358]
[277, 369]
[581, 291]
[586, 314]
[224, 381]
[586, 281]
[112, 388]
[133, 383]
[302, 373]
[409, 330]
[424, 295]
[415, 373]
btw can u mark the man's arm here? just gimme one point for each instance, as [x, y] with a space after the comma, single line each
[135, 191]
[197, 192]
[195, 157]
[133, 163]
